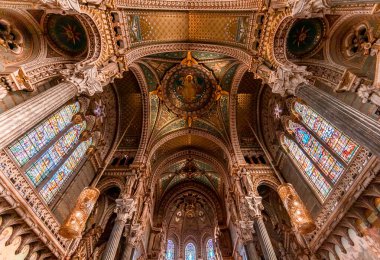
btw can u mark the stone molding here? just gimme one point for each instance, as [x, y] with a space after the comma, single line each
[18, 185]
[140, 52]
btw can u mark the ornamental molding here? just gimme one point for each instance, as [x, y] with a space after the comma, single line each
[241, 70]
[191, 5]
[144, 139]
[178, 156]
[106, 183]
[189, 131]
[18, 186]
[355, 179]
[140, 52]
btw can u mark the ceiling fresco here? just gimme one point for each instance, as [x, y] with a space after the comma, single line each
[153, 27]
[188, 93]
[189, 169]
[66, 33]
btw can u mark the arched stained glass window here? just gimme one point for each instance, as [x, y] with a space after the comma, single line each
[36, 139]
[170, 250]
[340, 143]
[190, 252]
[326, 162]
[53, 156]
[210, 250]
[315, 178]
[51, 188]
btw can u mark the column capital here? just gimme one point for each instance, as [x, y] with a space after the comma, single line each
[255, 206]
[286, 79]
[67, 5]
[308, 8]
[125, 207]
[85, 78]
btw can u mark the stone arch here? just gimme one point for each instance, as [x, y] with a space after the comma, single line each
[139, 158]
[143, 51]
[107, 183]
[233, 114]
[196, 132]
[34, 46]
[267, 180]
[183, 155]
[337, 48]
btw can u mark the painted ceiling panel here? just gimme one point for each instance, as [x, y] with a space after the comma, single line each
[149, 26]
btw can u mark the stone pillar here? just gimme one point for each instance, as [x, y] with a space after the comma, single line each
[19, 119]
[124, 209]
[360, 127]
[127, 254]
[251, 251]
[255, 206]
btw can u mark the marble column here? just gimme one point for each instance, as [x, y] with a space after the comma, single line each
[124, 209]
[21, 118]
[362, 128]
[127, 254]
[255, 206]
[251, 251]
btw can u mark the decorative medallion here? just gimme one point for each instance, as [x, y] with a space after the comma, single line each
[189, 90]
[66, 34]
[304, 37]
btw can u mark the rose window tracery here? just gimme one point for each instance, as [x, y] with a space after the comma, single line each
[10, 38]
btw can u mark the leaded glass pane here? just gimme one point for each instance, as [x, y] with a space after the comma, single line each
[316, 179]
[326, 162]
[190, 252]
[34, 140]
[52, 157]
[170, 250]
[344, 146]
[63, 173]
[210, 250]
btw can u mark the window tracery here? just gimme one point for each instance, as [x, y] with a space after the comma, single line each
[326, 162]
[27, 146]
[50, 152]
[210, 250]
[190, 252]
[55, 184]
[341, 144]
[312, 174]
[170, 250]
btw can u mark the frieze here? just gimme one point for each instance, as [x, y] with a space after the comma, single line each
[28, 196]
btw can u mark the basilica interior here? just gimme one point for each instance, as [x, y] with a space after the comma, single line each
[190, 129]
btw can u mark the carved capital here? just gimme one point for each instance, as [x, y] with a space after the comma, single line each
[125, 208]
[255, 206]
[67, 5]
[308, 8]
[246, 230]
[285, 80]
[84, 78]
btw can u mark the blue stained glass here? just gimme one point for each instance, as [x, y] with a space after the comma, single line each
[34, 140]
[170, 250]
[210, 250]
[317, 152]
[52, 157]
[344, 146]
[316, 179]
[190, 252]
[54, 185]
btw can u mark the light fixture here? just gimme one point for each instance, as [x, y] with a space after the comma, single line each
[76, 221]
[299, 215]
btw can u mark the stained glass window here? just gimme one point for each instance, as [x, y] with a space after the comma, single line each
[315, 178]
[170, 250]
[344, 146]
[210, 250]
[53, 156]
[190, 252]
[34, 140]
[63, 173]
[326, 162]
